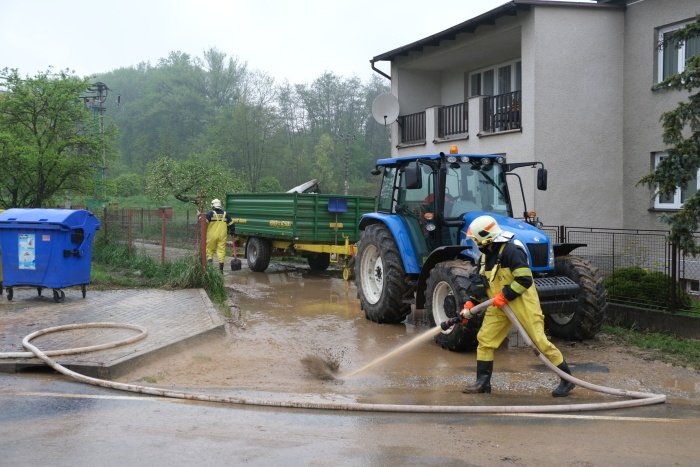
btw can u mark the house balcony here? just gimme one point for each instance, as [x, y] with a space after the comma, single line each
[494, 115]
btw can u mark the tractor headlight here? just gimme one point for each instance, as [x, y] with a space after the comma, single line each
[451, 159]
[551, 256]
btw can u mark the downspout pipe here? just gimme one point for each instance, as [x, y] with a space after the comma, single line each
[372, 62]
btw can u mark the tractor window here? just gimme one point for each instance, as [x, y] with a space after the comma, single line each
[421, 199]
[468, 189]
[386, 193]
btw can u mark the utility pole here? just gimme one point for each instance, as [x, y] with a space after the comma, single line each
[346, 138]
[95, 102]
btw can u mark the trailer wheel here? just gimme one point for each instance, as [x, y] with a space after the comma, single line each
[319, 261]
[446, 292]
[592, 301]
[379, 276]
[257, 252]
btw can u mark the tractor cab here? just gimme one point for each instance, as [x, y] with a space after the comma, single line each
[437, 195]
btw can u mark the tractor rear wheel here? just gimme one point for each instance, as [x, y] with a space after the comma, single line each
[588, 318]
[446, 292]
[257, 253]
[380, 277]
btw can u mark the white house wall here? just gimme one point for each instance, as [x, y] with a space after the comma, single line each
[643, 107]
[578, 55]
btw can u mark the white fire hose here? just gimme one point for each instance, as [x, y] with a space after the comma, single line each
[638, 398]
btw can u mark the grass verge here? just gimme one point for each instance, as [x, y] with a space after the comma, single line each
[668, 348]
[114, 267]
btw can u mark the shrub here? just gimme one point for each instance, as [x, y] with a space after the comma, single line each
[637, 285]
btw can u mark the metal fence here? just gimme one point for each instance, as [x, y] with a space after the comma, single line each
[152, 228]
[612, 250]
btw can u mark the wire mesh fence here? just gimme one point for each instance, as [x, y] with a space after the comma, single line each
[640, 267]
[161, 232]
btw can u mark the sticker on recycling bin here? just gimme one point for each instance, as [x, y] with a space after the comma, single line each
[27, 251]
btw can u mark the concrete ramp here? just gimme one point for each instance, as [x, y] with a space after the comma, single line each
[172, 318]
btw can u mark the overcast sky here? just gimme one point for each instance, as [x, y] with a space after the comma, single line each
[293, 40]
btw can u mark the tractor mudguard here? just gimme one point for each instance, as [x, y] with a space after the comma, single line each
[401, 236]
[563, 249]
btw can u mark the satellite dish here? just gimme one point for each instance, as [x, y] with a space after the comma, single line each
[385, 109]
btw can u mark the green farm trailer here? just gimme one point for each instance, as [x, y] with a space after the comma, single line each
[321, 227]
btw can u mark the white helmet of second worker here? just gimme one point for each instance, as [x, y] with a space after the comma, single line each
[484, 230]
[216, 203]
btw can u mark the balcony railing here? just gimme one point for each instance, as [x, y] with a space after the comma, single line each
[452, 120]
[412, 128]
[502, 112]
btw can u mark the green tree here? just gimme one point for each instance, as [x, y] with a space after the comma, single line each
[323, 169]
[49, 140]
[191, 181]
[681, 133]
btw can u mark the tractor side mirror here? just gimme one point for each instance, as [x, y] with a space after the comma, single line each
[414, 180]
[542, 179]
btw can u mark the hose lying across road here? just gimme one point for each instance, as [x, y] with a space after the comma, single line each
[638, 398]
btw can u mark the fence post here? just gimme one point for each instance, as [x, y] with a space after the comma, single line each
[129, 240]
[203, 241]
[672, 295]
[106, 222]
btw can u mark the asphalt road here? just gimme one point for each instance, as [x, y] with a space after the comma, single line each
[47, 419]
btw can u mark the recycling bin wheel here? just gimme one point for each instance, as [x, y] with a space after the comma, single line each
[83, 289]
[10, 293]
[58, 295]
[38, 290]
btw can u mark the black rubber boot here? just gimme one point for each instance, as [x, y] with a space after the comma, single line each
[565, 386]
[483, 378]
[221, 267]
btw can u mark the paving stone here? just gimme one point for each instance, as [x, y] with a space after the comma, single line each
[172, 318]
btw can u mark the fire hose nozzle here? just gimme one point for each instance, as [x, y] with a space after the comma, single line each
[445, 325]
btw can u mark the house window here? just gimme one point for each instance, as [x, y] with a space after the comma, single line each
[674, 200]
[692, 286]
[499, 79]
[672, 57]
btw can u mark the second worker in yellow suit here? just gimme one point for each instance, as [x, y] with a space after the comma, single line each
[219, 224]
[504, 263]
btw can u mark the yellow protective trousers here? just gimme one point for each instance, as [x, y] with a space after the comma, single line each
[216, 237]
[496, 325]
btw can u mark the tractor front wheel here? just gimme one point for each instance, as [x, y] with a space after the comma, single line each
[446, 292]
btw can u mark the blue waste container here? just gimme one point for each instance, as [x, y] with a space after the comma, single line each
[46, 248]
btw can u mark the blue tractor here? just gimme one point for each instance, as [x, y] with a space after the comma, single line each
[414, 251]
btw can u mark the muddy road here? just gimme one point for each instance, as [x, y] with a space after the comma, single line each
[279, 319]
[288, 313]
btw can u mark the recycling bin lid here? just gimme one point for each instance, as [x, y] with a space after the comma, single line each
[72, 218]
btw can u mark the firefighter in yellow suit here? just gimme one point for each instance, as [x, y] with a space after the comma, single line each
[504, 263]
[219, 224]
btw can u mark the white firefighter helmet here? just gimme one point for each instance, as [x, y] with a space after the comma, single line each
[216, 203]
[484, 230]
